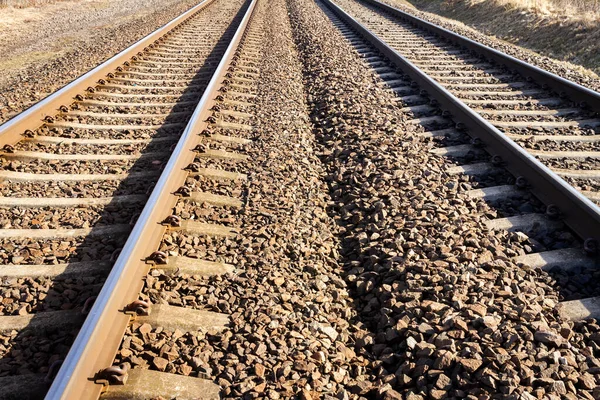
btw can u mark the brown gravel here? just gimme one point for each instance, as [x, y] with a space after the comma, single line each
[46, 251]
[69, 217]
[28, 351]
[78, 189]
[28, 296]
[362, 273]
[289, 333]
[75, 39]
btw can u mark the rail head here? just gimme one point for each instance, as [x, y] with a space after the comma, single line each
[579, 213]
[560, 85]
[99, 338]
[32, 118]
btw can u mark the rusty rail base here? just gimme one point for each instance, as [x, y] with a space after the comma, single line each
[100, 336]
[578, 212]
[32, 118]
[561, 86]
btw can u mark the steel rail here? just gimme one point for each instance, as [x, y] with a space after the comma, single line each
[560, 85]
[99, 338]
[31, 119]
[578, 212]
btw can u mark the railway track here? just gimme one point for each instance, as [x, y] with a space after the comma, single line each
[77, 171]
[137, 236]
[417, 66]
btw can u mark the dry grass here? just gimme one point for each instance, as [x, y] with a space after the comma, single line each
[566, 35]
[578, 9]
[24, 60]
[25, 3]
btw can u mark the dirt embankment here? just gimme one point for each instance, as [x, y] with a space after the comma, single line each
[569, 38]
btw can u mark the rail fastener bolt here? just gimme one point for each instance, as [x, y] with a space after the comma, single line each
[138, 307]
[158, 257]
[477, 142]
[184, 191]
[590, 246]
[200, 148]
[552, 211]
[521, 182]
[115, 375]
[497, 161]
[173, 221]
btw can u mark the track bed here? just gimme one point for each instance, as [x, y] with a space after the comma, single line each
[265, 203]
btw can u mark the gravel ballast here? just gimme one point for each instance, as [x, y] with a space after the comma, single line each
[290, 333]
[448, 314]
[361, 271]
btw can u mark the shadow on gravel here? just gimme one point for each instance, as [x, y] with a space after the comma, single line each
[38, 350]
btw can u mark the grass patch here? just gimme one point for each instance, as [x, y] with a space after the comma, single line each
[575, 9]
